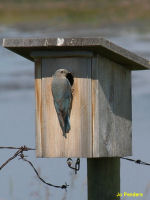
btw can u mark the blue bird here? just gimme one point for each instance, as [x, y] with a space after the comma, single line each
[62, 95]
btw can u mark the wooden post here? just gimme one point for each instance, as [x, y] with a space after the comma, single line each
[103, 176]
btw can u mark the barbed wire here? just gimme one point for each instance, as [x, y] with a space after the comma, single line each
[136, 161]
[20, 150]
[25, 148]
[21, 156]
[20, 153]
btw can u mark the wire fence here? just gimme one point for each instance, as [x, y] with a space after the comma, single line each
[76, 167]
[20, 153]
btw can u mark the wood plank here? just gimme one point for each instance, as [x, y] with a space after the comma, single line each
[61, 54]
[25, 46]
[79, 140]
[111, 92]
[38, 100]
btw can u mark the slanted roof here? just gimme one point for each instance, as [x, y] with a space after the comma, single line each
[25, 47]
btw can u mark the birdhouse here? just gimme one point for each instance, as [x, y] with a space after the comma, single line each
[83, 95]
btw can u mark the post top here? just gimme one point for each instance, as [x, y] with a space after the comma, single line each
[25, 47]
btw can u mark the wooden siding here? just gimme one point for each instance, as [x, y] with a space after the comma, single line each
[111, 98]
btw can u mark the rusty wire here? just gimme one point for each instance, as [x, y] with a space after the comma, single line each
[76, 167]
[21, 156]
[20, 150]
[77, 164]
[24, 147]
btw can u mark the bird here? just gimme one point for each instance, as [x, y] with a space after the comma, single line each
[62, 95]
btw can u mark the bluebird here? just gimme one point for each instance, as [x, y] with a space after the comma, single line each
[62, 95]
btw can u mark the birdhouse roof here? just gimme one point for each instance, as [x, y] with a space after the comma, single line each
[25, 47]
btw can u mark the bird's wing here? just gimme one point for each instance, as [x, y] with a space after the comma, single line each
[62, 93]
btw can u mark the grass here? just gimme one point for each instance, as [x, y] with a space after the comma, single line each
[69, 12]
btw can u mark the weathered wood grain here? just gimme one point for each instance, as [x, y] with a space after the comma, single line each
[38, 99]
[111, 98]
[99, 45]
[79, 140]
[61, 54]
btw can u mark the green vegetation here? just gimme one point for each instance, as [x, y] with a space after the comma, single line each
[69, 12]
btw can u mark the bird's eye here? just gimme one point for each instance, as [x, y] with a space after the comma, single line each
[62, 71]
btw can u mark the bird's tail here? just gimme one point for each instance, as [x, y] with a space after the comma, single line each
[64, 123]
[67, 124]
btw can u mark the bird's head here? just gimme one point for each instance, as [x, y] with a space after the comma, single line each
[61, 72]
[65, 73]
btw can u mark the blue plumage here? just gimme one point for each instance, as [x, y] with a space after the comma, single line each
[62, 95]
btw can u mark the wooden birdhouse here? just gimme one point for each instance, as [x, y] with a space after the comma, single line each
[100, 80]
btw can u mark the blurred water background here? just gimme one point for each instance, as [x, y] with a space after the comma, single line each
[126, 26]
